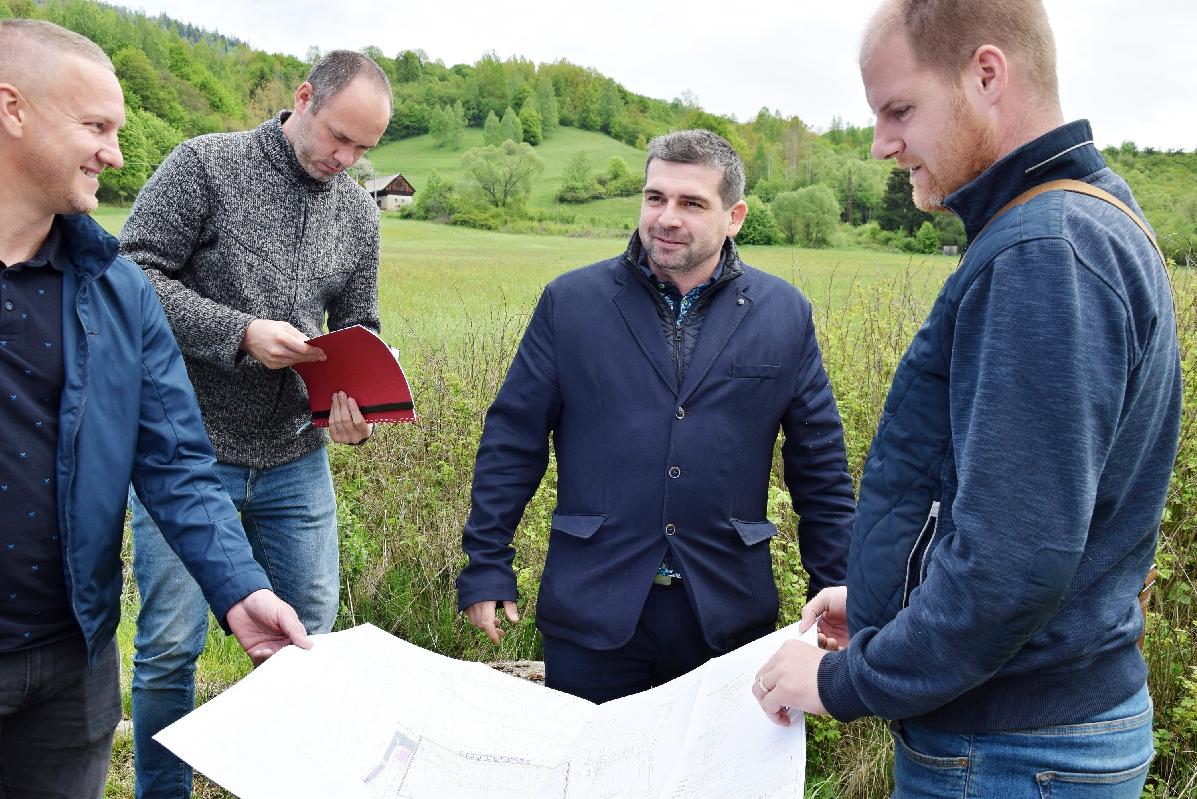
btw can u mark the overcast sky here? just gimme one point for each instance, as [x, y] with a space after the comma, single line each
[1128, 67]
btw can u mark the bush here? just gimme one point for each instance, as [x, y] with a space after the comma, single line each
[759, 226]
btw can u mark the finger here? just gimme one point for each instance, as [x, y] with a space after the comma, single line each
[811, 612]
[513, 615]
[831, 644]
[352, 412]
[780, 718]
[295, 632]
[260, 656]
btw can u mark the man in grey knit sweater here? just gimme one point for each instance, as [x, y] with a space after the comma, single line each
[251, 239]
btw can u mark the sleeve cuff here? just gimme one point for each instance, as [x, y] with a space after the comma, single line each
[836, 690]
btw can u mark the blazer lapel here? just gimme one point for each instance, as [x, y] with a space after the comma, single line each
[640, 315]
[727, 309]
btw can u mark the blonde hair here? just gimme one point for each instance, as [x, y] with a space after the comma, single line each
[944, 34]
[29, 48]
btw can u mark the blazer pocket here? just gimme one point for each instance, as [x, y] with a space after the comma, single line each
[767, 370]
[754, 532]
[579, 526]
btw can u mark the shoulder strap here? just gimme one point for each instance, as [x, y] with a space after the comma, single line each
[1080, 187]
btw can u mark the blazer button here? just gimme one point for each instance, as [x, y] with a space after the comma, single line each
[670, 528]
[675, 472]
[680, 412]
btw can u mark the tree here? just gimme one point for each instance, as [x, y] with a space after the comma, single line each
[898, 211]
[490, 130]
[619, 180]
[759, 225]
[435, 200]
[504, 174]
[530, 124]
[408, 66]
[510, 127]
[807, 216]
[447, 124]
[578, 184]
[927, 238]
[546, 104]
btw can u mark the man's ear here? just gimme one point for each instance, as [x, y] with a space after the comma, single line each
[303, 97]
[988, 74]
[13, 111]
[738, 212]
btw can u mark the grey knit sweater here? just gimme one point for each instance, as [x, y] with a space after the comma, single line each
[231, 229]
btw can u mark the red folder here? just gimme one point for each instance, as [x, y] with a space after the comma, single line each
[365, 368]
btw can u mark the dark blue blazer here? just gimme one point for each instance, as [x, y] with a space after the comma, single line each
[643, 466]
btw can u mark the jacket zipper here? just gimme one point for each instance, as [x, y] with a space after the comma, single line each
[918, 554]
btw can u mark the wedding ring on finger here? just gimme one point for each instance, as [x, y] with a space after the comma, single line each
[760, 680]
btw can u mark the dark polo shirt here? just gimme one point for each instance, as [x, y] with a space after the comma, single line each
[34, 607]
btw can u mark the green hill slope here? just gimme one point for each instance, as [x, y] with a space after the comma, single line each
[417, 157]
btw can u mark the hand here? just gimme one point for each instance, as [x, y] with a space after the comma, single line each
[264, 624]
[345, 422]
[830, 609]
[792, 677]
[482, 616]
[278, 344]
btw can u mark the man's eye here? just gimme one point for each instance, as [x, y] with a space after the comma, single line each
[901, 113]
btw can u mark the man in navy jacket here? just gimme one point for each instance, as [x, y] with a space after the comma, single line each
[662, 377]
[95, 395]
[1011, 502]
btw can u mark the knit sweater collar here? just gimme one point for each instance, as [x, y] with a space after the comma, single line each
[281, 155]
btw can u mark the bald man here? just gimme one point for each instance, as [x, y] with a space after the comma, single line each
[93, 396]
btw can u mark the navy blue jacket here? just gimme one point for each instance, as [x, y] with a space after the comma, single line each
[1010, 504]
[128, 413]
[643, 466]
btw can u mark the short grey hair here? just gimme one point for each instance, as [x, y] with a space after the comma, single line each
[337, 69]
[30, 46]
[700, 146]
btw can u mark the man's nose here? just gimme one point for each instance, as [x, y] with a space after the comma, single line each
[110, 155]
[885, 144]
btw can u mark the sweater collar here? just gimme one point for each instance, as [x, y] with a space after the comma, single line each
[281, 155]
[1066, 152]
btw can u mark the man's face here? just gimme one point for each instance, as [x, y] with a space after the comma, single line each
[71, 136]
[925, 123]
[332, 139]
[682, 219]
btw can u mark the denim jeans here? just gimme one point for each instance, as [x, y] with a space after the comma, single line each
[57, 718]
[1106, 756]
[289, 513]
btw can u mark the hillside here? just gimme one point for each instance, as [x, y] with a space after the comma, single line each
[417, 157]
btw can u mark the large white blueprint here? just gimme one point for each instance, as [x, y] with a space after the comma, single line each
[366, 715]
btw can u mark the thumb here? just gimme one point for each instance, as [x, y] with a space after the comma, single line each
[293, 628]
[513, 615]
[811, 612]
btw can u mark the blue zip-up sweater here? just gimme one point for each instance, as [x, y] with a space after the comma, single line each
[128, 414]
[1010, 504]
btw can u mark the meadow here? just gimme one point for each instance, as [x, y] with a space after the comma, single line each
[419, 156]
[455, 302]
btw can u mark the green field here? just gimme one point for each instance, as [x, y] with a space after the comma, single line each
[417, 157]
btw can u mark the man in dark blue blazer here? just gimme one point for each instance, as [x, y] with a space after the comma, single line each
[662, 376]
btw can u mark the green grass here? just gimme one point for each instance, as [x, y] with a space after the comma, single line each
[417, 157]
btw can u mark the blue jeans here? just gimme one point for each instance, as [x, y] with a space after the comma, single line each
[1106, 756]
[57, 717]
[289, 513]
